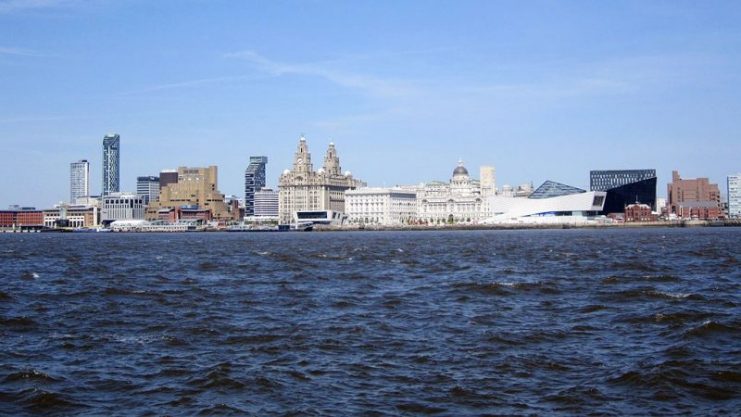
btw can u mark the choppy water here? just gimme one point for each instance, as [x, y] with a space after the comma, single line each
[555, 322]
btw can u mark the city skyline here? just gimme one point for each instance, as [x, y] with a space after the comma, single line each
[136, 185]
[539, 91]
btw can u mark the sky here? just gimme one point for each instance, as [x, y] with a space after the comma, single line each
[405, 89]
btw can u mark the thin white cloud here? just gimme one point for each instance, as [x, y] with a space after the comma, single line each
[10, 6]
[38, 119]
[19, 52]
[190, 83]
[369, 84]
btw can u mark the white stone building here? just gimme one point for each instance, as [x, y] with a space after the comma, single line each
[303, 189]
[123, 206]
[457, 202]
[381, 206]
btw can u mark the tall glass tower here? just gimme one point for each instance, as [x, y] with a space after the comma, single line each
[111, 163]
[79, 180]
[254, 180]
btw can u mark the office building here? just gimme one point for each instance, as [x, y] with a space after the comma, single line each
[65, 215]
[522, 190]
[195, 187]
[254, 180]
[148, 187]
[122, 206]
[693, 198]
[734, 196]
[624, 187]
[381, 206]
[303, 189]
[79, 180]
[266, 203]
[111, 164]
[22, 218]
[487, 180]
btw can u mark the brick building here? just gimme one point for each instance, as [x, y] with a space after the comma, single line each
[22, 218]
[693, 198]
[639, 213]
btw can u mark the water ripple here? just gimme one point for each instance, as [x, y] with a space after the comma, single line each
[551, 322]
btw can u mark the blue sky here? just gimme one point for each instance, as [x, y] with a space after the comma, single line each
[539, 89]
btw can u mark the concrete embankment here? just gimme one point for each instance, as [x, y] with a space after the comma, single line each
[524, 226]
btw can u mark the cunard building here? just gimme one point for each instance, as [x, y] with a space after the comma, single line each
[303, 189]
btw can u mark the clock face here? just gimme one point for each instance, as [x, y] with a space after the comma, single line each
[300, 161]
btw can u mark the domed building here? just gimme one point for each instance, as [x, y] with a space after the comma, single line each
[459, 201]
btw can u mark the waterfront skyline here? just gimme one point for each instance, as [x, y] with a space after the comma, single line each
[540, 91]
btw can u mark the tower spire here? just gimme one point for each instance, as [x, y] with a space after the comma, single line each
[332, 161]
[302, 157]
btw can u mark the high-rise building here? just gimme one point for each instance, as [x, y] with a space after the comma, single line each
[79, 180]
[254, 180]
[696, 198]
[111, 163]
[734, 195]
[488, 181]
[302, 188]
[148, 187]
[624, 187]
[195, 188]
[266, 203]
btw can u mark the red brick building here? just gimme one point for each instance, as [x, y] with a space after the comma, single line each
[693, 198]
[22, 218]
[639, 213]
[195, 213]
[701, 210]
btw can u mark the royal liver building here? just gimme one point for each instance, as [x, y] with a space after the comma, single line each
[302, 188]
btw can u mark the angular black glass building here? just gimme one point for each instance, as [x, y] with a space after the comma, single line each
[254, 180]
[625, 187]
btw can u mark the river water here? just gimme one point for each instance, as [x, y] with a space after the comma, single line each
[532, 322]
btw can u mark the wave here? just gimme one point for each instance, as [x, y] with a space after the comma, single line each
[648, 293]
[417, 408]
[711, 328]
[670, 380]
[491, 288]
[221, 410]
[38, 400]
[20, 322]
[253, 339]
[31, 375]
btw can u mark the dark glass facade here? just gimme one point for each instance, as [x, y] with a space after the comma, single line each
[642, 192]
[603, 180]
[111, 163]
[624, 186]
[254, 180]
